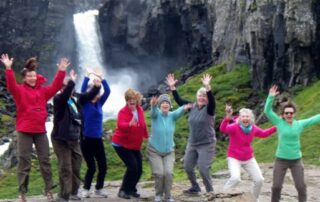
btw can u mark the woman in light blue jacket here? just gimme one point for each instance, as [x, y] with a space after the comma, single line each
[161, 144]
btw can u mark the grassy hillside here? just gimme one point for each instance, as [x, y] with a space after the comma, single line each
[231, 87]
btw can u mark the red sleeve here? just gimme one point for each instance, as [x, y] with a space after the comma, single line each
[265, 133]
[12, 85]
[123, 120]
[55, 85]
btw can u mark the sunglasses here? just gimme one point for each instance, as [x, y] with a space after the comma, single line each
[287, 113]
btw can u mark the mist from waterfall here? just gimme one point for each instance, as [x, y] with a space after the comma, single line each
[90, 55]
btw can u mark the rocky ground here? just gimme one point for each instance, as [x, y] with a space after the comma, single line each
[239, 194]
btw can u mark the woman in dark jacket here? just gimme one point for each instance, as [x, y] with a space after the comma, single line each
[66, 134]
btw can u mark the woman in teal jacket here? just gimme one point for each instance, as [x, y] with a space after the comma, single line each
[161, 144]
[288, 154]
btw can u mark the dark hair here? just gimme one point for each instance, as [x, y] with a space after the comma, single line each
[288, 104]
[30, 65]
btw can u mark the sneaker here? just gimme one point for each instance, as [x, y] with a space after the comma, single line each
[22, 198]
[123, 194]
[75, 197]
[157, 198]
[85, 193]
[170, 199]
[101, 192]
[49, 196]
[192, 190]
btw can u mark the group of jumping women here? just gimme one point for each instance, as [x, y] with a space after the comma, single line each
[78, 133]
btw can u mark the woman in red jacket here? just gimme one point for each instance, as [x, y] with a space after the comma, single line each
[127, 140]
[31, 105]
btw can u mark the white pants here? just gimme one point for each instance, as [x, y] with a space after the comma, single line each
[252, 167]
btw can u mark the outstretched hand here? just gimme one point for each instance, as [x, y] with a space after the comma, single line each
[188, 106]
[153, 101]
[73, 75]
[171, 81]
[274, 91]
[6, 60]
[206, 78]
[63, 64]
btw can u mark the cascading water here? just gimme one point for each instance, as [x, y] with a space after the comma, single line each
[90, 54]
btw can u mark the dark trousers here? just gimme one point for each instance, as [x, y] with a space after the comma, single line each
[93, 150]
[297, 172]
[25, 142]
[69, 161]
[133, 161]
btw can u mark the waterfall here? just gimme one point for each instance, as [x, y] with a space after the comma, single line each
[90, 54]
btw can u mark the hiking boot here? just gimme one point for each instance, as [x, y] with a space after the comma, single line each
[210, 196]
[123, 194]
[134, 194]
[22, 198]
[192, 190]
[101, 192]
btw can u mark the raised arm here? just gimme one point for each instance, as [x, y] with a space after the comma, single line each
[225, 122]
[206, 79]
[88, 96]
[272, 116]
[84, 85]
[261, 133]
[171, 81]
[106, 92]
[62, 98]
[12, 85]
[154, 109]
[58, 80]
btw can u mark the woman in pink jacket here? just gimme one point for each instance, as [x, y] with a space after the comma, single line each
[31, 99]
[240, 151]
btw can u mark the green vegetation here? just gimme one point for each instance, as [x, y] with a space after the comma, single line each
[228, 87]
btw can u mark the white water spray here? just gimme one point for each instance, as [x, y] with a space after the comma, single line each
[90, 54]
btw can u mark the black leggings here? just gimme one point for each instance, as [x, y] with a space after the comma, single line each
[93, 150]
[133, 161]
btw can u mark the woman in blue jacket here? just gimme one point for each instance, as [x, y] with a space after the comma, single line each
[92, 143]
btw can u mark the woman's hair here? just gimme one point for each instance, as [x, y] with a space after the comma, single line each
[248, 112]
[288, 104]
[202, 91]
[133, 94]
[30, 65]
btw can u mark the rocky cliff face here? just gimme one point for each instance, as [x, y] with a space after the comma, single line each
[279, 39]
[155, 36]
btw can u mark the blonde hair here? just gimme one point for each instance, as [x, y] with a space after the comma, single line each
[202, 91]
[133, 94]
[248, 112]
